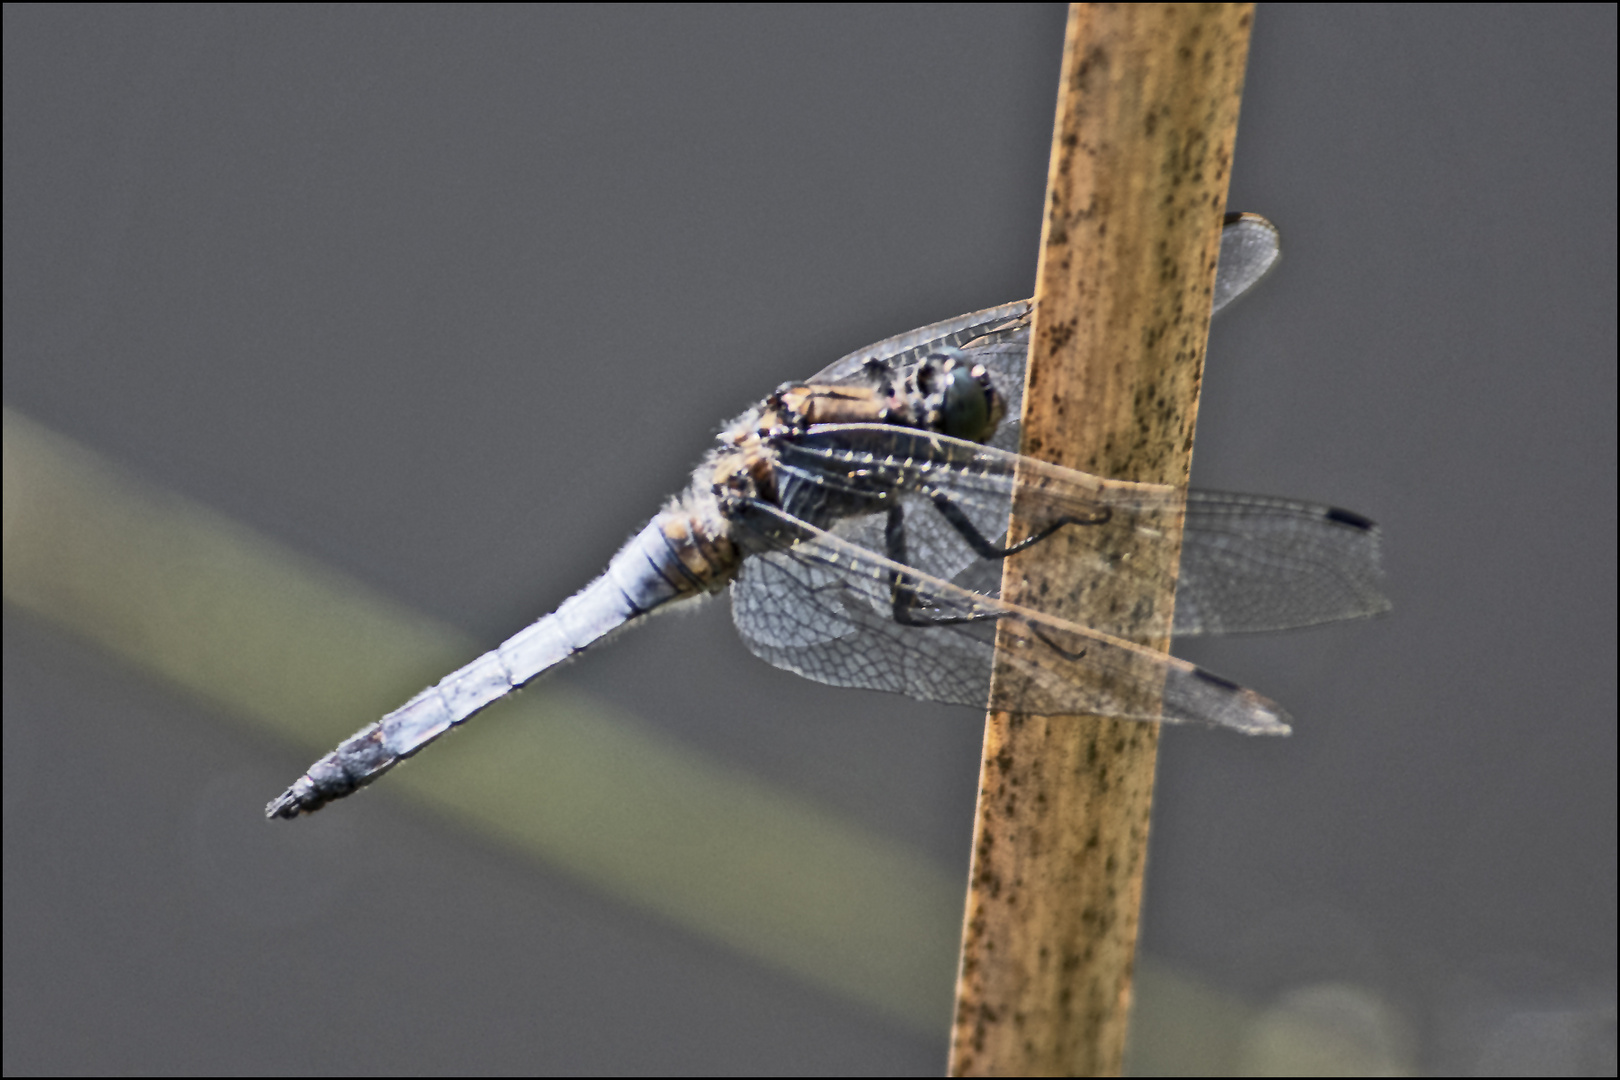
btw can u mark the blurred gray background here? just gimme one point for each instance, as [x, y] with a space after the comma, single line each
[450, 299]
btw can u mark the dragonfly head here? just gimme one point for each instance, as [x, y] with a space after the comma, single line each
[958, 398]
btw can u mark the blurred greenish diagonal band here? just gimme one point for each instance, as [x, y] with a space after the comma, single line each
[297, 648]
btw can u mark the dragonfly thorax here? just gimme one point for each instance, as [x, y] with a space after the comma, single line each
[942, 392]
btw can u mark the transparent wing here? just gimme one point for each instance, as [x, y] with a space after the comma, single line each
[903, 350]
[818, 605]
[998, 337]
[1247, 562]
[1250, 249]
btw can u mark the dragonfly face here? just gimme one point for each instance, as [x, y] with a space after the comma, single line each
[860, 520]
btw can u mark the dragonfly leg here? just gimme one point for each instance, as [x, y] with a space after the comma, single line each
[985, 549]
[908, 610]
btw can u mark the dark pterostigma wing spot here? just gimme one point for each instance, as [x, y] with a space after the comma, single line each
[1350, 518]
[1211, 677]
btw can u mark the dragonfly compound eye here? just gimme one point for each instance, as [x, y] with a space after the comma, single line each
[966, 409]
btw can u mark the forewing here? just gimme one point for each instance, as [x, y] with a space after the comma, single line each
[1250, 249]
[1247, 562]
[815, 604]
[1252, 563]
[903, 350]
[998, 337]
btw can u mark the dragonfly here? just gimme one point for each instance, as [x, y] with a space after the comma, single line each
[860, 520]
